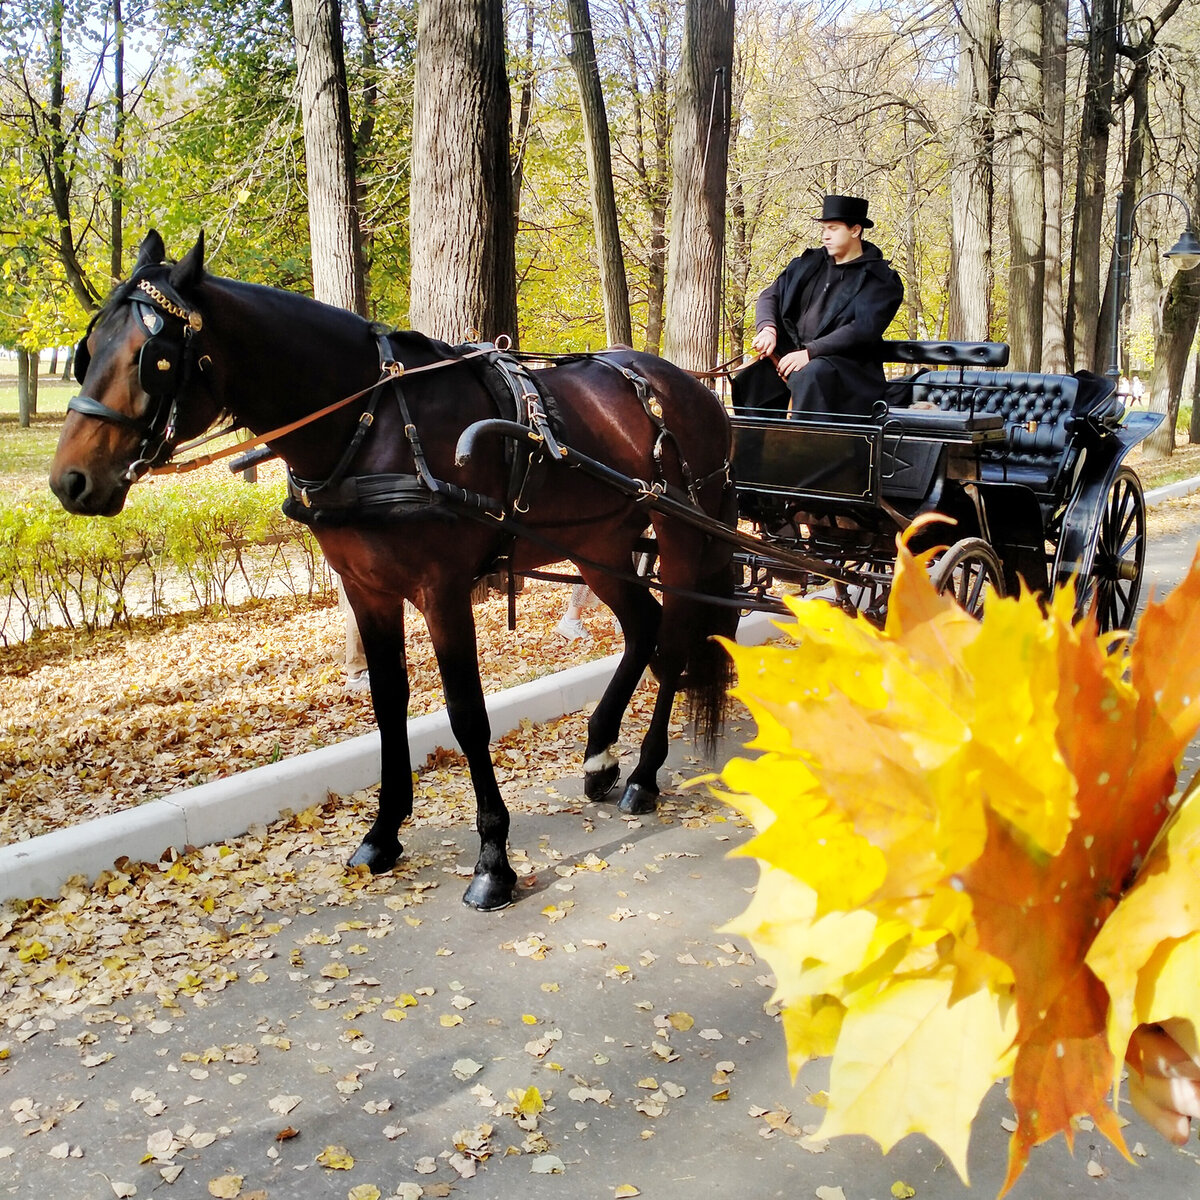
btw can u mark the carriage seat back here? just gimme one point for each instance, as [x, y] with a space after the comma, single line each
[1037, 411]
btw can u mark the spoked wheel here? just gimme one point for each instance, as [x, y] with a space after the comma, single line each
[1118, 555]
[970, 571]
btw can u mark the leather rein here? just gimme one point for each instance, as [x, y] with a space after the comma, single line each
[161, 422]
[390, 369]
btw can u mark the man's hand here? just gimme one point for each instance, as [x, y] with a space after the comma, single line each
[792, 362]
[765, 340]
[1164, 1077]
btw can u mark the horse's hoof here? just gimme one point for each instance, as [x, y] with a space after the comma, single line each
[597, 784]
[637, 800]
[377, 858]
[488, 893]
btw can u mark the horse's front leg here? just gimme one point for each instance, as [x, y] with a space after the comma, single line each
[452, 632]
[383, 642]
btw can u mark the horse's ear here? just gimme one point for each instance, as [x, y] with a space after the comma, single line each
[151, 250]
[189, 270]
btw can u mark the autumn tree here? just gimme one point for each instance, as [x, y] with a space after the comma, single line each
[972, 180]
[461, 220]
[333, 218]
[615, 291]
[699, 151]
[1026, 194]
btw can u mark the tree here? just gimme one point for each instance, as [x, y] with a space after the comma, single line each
[1026, 199]
[647, 42]
[1054, 67]
[333, 220]
[461, 221]
[1083, 297]
[972, 182]
[699, 154]
[582, 53]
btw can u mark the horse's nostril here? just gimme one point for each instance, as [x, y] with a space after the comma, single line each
[73, 485]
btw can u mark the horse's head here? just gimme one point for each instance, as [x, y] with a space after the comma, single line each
[139, 355]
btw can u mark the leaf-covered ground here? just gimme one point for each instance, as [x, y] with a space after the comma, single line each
[93, 725]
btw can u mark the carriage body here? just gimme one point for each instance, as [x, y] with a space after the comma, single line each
[1029, 468]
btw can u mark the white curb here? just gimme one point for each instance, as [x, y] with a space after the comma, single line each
[215, 812]
[1172, 491]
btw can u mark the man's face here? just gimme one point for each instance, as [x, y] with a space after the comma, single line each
[840, 239]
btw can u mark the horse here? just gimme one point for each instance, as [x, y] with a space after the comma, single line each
[368, 423]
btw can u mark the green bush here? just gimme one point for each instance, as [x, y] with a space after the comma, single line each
[176, 545]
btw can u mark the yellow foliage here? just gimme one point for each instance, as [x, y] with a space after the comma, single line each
[946, 813]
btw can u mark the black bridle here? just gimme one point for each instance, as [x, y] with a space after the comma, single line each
[164, 364]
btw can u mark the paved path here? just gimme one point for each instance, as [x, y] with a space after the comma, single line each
[577, 996]
[571, 991]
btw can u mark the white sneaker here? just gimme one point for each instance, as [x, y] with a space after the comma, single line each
[359, 683]
[572, 629]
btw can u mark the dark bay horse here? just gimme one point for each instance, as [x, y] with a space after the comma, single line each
[175, 348]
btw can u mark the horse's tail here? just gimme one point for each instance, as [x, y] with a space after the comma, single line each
[709, 674]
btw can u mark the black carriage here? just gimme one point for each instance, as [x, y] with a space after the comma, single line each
[1030, 468]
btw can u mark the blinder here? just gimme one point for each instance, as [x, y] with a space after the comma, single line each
[161, 367]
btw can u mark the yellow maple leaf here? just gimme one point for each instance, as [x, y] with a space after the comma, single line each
[910, 1062]
[1148, 952]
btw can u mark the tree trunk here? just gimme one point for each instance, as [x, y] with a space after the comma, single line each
[364, 132]
[699, 152]
[1026, 207]
[24, 409]
[55, 155]
[613, 286]
[1083, 298]
[35, 365]
[461, 223]
[333, 222]
[1054, 65]
[1194, 423]
[972, 181]
[1179, 313]
[650, 147]
[117, 170]
[1131, 183]
[912, 283]
[524, 115]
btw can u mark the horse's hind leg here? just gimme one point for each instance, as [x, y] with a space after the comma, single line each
[452, 632]
[638, 614]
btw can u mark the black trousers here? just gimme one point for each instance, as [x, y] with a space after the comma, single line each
[833, 386]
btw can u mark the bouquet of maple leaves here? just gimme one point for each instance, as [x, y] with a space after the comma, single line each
[973, 863]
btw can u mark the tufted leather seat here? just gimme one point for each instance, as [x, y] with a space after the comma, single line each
[1037, 411]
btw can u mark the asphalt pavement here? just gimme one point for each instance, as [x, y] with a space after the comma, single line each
[387, 1038]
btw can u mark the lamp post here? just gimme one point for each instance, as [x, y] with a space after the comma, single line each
[1185, 254]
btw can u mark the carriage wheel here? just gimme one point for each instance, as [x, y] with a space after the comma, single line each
[1118, 555]
[969, 571]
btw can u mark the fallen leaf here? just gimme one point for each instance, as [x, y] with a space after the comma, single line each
[626, 1191]
[364, 1191]
[464, 1068]
[336, 1158]
[547, 1164]
[225, 1187]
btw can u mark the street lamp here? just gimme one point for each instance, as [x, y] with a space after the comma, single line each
[1185, 254]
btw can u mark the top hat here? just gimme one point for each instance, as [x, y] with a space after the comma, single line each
[850, 209]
